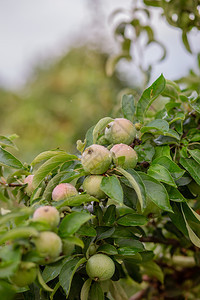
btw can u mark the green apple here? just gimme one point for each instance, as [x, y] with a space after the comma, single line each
[96, 159]
[120, 131]
[48, 214]
[63, 190]
[25, 274]
[91, 185]
[100, 267]
[130, 156]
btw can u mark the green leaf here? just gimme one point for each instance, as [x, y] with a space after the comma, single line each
[196, 104]
[9, 160]
[110, 215]
[145, 151]
[148, 96]
[75, 201]
[172, 133]
[185, 41]
[87, 230]
[107, 249]
[6, 142]
[195, 154]
[177, 218]
[174, 194]
[100, 126]
[9, 260]
[96, 292]
[161, 174]
[153, 270]
[171, 90]
[192, 235]
[132, 220]
[156, 192]
[171, 166]
[42, 283]
[162, 151]
[89, 136]
[67, 272]
[192, 167]
[7, 291]
[85, 289]
[177, 117]
[74, 240]
[158, 125]
[50, 165]
[128, 107]
[45, 156]
[111, 186]
[136, 183]
[52, 271]
[117, 291]
[72, 222]
[19, 212]
[131, 243]
[19, 232]
[127, 251]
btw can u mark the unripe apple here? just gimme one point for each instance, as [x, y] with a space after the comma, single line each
[48, 214]
[91, 185]
[63, 190]
[129, 154]
[48, 245]
[100, 267]
[120, 131]
[96, 159]
[25, 274]
[29, 188]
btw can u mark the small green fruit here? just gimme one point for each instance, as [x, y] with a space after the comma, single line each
[67, 247]
[29, 188]
[92, 185]
[96, 159]
[63, 190]
[48, 245]
[48, 214]
[120, 131]
[129, 154]
[100, 267]
[25, 274]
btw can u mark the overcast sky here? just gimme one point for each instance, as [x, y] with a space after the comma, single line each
[33, 30]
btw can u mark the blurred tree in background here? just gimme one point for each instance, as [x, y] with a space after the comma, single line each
[68, 96]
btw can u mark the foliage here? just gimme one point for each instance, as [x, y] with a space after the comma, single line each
[148, 224]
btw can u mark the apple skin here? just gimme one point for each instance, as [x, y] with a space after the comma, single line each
[129, 153]
[25, 274]
[48, 245]
[100, 267]
[29, 188]
[96, 159]
[91, 185]
[63, 190]
[48, 214]
[120, 131]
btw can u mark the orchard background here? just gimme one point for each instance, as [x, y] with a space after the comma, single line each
[100, 163]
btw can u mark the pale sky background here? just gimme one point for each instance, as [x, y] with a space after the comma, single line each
[31, 31]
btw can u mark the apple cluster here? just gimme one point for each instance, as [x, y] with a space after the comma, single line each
[97, 159]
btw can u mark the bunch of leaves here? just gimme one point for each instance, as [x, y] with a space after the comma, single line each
[148, 224]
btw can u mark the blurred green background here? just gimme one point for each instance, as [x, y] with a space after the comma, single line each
[60, 103]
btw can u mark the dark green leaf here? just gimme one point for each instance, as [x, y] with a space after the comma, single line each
[136, 183]
[162, 151]
[110, 215]
[156, 192]
[87, 230]
[160, 173]
[111, 186]
[9, 160]
[128, 107]
[171, 166]
[174, 194]
[50, 165]
[148, 96]
[72, 222]
[132, 220]
[85, 289]
[75, 201]
[67, 272]
[157, 125]
[153, 270]
[192, 167]
[107, 249]
[195, 154]
[145, 151]
[96, 292]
